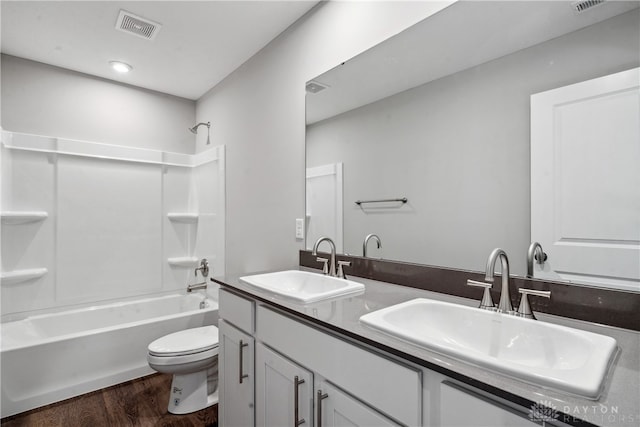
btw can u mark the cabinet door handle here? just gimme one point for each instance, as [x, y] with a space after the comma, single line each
[321, 397]
[296, 409]
[242, 345]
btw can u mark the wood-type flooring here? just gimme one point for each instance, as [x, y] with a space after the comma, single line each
[140, 403]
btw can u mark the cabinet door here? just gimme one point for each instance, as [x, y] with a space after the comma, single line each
[460, 408]
[334, 408]
[392, 388]
[236, 374]
[284, 391]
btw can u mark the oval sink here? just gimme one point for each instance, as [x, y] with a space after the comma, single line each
[302, 286]
[563, 358]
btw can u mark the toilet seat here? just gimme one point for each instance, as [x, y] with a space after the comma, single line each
[169, 364]
[193, 341]
[192, 357]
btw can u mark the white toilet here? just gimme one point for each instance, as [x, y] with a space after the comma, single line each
[192, 357]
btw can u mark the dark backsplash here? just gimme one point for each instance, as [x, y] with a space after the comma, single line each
[598, 305]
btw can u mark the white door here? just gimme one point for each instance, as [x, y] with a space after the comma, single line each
[324, 204]
[334, 408]
[284, 391]
[236, 377]
[585, 179]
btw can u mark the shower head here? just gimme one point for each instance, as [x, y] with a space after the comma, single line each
[194, 130]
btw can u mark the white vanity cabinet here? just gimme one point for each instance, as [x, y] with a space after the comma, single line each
[295, 363]
[359, 378]
[236, 361]
[287, 394]
[284, 390]
[464, 408]
[336, 408]
[307, 375]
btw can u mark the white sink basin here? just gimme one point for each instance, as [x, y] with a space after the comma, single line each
[559, 357]
[303, 287]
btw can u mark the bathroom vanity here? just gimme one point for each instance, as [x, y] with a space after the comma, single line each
[284, 363]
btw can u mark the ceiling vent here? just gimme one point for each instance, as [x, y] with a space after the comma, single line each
[581, 6]
[315, 87]
[137, 25]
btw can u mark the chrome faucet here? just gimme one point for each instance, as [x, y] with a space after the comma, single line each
[525, 308]
[487, 301]
[331, 270]
[366, 240]
[196, 286]
[204, 268]
[505, 298]
[536, 253]
[504, 306]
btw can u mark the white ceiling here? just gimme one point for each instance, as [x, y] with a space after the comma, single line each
[199, 44]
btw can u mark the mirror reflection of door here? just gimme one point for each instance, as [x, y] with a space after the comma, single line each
[324, 205]
[585, 179]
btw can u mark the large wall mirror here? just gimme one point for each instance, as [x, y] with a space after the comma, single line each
[434, 128]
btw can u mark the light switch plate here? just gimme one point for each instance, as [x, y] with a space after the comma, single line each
[299, 228]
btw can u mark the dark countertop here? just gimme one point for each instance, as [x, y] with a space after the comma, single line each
[619, 404]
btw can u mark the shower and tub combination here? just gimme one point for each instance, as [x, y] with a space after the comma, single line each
[99, 245]
[50, 357]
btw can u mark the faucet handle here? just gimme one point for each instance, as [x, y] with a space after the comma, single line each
[204, 268]
[341, 265]
[487, 301]
[325, 268]
[524, 310]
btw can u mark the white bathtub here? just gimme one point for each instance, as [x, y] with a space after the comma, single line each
[51, 357]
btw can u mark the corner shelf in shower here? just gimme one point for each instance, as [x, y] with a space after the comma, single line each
[183, 217]
[185, 262]
[19, 276]
[22, 217]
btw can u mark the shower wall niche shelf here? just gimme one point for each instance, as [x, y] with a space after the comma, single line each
[183, 217]
[185, 262]
[22, 217]
[19, 276]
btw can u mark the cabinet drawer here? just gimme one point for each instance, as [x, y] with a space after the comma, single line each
[390, 387]
[337, 407]
[236, 310]
[464, 408]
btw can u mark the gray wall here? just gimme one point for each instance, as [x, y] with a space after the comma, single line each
[258, 112]
[45, 100]
[458, 148]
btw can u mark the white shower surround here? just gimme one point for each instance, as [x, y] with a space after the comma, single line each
[114, 221]
[51, 357]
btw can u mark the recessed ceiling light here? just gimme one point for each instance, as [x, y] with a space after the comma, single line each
[120, 67]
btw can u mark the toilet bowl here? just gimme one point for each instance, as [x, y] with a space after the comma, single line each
[192, 357]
